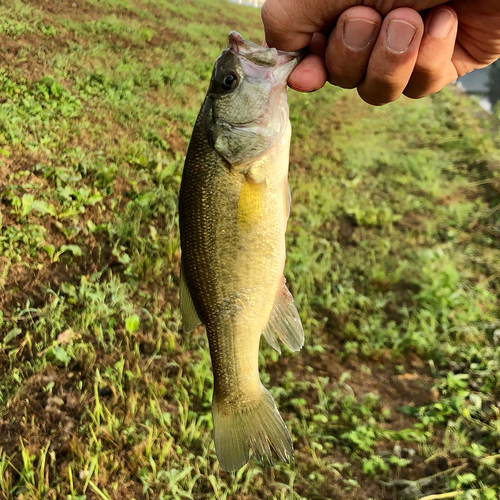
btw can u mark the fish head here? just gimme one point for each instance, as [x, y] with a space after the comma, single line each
[247, 97]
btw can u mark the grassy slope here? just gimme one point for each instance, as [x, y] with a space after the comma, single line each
[392, 257]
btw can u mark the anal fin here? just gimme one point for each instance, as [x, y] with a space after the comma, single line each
[190, 319]
[284, 321]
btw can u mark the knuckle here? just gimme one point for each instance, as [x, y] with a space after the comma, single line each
[377, 95]
[416, 93]
[428, 70]
[343, 82]
[420, 86]
[386, 85]
[266, 13]
[274, 15]
[348, 71]
[424, 81]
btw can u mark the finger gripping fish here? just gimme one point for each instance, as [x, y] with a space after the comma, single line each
[233, 210]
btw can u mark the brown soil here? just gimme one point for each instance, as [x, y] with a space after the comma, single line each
[413, 387]
[28, 280]
[46, 414]
[39, 415]
[78, 10]
[43, 416]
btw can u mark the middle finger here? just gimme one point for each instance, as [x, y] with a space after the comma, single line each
[393, 58]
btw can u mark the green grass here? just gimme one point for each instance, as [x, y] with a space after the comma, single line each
[392, 256]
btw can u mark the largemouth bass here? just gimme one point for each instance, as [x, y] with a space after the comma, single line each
[233, 210]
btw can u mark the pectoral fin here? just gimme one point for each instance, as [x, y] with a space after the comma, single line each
[285, 321]
[190, 319]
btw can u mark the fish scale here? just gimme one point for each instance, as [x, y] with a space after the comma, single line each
[232, 218]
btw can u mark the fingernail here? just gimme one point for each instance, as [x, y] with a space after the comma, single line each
[358, 33]
[442, 21]
[399, 35]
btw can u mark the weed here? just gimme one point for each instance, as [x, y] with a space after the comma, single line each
[392, 257]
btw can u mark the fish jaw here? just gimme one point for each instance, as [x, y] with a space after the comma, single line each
[264, 62]
[269, 65]
[247, 119]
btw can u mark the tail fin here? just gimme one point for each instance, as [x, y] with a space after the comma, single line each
[258, 426]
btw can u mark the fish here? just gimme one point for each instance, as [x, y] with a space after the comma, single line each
[234, 204]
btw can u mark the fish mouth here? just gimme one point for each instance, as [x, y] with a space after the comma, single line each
[264, 62]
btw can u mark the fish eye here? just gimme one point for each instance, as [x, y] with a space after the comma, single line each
[229, 81]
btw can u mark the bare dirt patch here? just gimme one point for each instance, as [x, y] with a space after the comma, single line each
[29, 53]
[47, 409]
[396, 388]
[46, 415]
[79, 10]
[412, 388]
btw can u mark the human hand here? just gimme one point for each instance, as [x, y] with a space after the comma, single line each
[415, 47]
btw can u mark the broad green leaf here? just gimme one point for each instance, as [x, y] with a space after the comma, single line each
[132, 323]
[74, 249]
[58, 354]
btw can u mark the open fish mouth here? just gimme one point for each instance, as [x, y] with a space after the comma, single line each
[262, 56]
[267, 65]
[264, 62]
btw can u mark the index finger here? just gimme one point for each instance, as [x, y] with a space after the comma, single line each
[290, 24]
